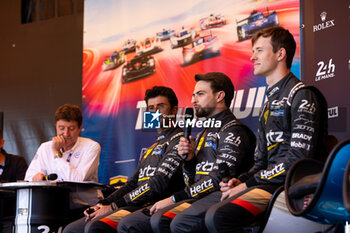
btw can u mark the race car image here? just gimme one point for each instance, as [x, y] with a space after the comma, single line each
[184, 37]
[201, 48]
[148, 46]
[113, 61]
[138, 67]
[256, 21]
[165, 34]
[212, 21]
[129, 46]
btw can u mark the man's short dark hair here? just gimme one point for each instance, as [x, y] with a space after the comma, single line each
[162, 91]
[280, 38]
[218, 82]
[69, 112]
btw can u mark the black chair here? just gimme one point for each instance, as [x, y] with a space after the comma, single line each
[259, 226]
[346, 188]
[269, 208]
[314, 191]
[277, 218]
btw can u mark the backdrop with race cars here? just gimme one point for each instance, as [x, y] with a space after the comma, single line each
[131, 46]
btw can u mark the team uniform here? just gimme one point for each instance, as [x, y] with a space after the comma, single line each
[157, 176]
[80, 163]
[292, 125]
[233, 143]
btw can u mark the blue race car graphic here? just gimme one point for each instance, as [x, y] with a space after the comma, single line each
[165, 34]
[202, 47]
[256, 21]
[182, 38]
[115, 60]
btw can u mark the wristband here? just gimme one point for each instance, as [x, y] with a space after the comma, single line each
[173, 198]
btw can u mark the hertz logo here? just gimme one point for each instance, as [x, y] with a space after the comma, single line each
[277, 170]
[144, 188]
[206, 185]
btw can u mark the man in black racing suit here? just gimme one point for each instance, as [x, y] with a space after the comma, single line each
[292, 125]
[225, 141]
[157, 176]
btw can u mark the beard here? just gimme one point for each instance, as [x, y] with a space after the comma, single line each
[203, 112]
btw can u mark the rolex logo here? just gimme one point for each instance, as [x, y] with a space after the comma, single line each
[323, 16]
[325, 24]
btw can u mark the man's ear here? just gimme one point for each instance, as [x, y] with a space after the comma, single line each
[220, 96]
[174, 110]
[281, 54]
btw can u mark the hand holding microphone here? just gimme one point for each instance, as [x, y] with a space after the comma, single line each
[51, 176]
[96, 211]
[226, 181]
[42, 177]
[186, 147]
[188, 119]
[224, 172]
[89, 211]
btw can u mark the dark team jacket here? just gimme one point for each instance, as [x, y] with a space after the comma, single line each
[292, 125]
[157, 176]
[233, 143]
[15, 168]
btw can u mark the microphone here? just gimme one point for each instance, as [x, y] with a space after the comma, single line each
[51, 176]
[90, 210]
[188, 127]
[224, 172]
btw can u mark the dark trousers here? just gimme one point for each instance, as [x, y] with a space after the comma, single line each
[239, 211]
[80, 226]
[139, 221]
[107, 223]
[184, 216]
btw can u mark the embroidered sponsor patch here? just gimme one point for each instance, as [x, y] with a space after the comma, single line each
[210, 144]
[277, 113]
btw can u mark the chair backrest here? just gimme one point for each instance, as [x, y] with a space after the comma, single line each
[326, 205]
[259, 226]
[346, 187]
[269, 208]
[279, 219]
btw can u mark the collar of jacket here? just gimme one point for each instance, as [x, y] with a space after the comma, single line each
[275, 89]
[167, 133]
